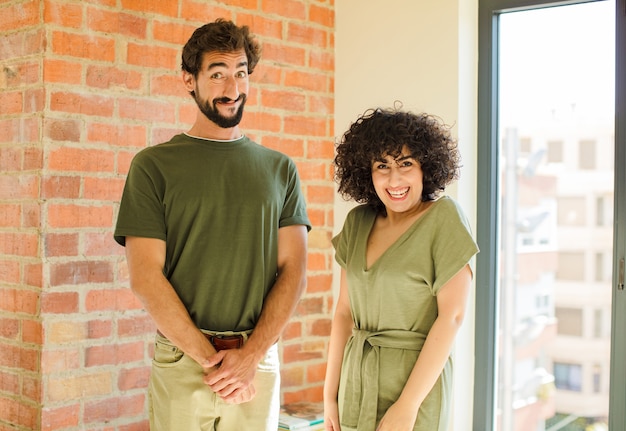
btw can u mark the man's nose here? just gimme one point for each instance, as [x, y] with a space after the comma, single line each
[231, 89]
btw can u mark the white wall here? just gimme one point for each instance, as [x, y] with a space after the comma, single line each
[422, 53]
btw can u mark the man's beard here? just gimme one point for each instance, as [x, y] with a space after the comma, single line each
[211, 112]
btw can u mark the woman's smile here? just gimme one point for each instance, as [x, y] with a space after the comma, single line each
[398, 193]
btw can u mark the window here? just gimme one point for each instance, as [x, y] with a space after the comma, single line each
[571, 211]
[587, 154]
[602, 267]
[597, 379]
[555, 151]
[598, 326]
[538, 75]
[600, 211]
[568, 377]
[569, 321]
[604, 210]
[542, 301]
[571, 266]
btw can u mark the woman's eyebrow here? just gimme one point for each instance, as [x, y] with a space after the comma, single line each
[401, 158]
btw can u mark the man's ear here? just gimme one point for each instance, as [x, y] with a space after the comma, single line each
[189, 80]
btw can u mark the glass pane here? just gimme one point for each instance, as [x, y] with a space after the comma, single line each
[556, 119]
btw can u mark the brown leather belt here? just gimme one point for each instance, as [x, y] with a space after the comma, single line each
[221, 342]
[225, 342]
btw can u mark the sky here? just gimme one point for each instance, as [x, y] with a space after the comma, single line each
[554, 58]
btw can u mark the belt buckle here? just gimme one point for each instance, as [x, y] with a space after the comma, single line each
[225, 342]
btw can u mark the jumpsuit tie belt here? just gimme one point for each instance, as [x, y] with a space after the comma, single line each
[361, 394]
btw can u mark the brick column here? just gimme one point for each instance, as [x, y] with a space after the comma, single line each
[21, 263]
[84, 86]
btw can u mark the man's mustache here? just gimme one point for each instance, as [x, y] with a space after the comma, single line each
[228, 99]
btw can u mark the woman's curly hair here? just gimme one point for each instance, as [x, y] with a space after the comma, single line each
[222, 36]
[381, 132]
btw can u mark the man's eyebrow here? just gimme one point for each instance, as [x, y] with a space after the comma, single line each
[222, 64]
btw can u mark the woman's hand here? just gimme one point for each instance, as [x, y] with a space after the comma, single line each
[331, 416]
[399, 417]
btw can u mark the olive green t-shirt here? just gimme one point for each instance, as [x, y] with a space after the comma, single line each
[218, 206]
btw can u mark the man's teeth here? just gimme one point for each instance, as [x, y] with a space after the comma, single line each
[398, 193]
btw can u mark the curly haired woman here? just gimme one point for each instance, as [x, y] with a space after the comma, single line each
[405, 255]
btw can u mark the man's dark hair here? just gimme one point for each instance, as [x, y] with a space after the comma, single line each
[384, 132]
[221, 36]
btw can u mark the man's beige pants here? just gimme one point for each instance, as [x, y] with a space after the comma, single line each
[180, 400]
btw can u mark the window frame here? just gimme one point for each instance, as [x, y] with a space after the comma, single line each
[485, 371]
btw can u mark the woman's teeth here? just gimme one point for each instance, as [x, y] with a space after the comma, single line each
[398, 193]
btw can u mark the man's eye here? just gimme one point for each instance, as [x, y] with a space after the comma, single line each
[241, 74]
[217, 75]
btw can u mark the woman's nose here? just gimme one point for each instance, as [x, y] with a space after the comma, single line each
[395, 174]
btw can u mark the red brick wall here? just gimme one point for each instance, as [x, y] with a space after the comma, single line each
[83, 87]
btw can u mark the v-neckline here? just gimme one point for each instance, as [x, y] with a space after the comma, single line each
[395, 243]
